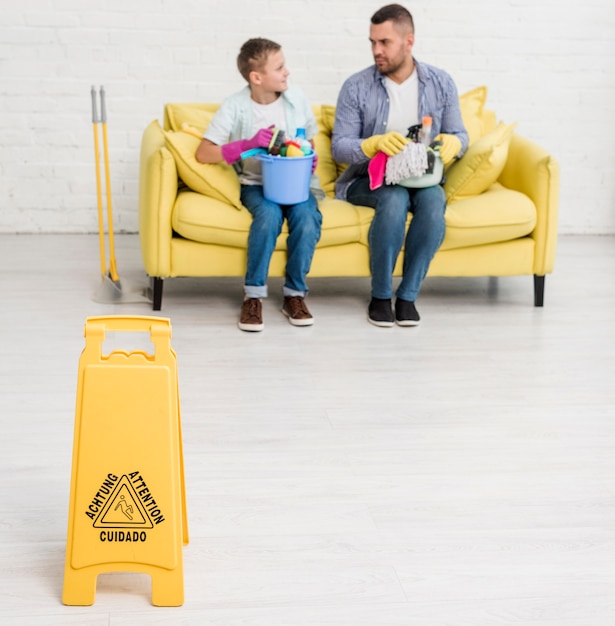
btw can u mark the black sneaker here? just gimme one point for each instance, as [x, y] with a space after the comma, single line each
[251, 318]
[380, 313]
[406, 313]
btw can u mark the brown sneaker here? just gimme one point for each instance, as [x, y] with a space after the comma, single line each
[251, 318]
[296, 311]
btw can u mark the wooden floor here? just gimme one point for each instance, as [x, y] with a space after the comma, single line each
[460, 473]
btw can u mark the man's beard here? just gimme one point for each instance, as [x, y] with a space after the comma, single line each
[390, 69]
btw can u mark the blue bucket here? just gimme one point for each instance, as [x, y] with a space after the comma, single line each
[286, 180]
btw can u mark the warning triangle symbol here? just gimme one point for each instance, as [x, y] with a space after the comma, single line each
[123, 509]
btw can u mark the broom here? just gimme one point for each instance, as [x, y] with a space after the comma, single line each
[111, 288]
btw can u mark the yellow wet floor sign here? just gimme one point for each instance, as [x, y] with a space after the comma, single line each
[127, 509]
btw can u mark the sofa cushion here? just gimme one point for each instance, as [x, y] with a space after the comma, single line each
[342, 222]
[327, 168]
[216, 180]
[480, 166]
[472, 104]
[499, 214]
[197, 115]
[327, 117]
[206, 220]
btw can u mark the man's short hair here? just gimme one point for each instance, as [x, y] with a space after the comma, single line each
[395, 13]
[254, 54]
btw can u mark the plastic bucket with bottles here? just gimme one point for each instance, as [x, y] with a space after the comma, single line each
[286, 180]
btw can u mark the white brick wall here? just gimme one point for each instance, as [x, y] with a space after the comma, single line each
[549, 65]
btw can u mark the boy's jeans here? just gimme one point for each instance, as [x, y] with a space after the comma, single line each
[304, 224]
[388, 228]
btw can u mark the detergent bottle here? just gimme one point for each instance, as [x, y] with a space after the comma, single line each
[425, 132]
[301, 140]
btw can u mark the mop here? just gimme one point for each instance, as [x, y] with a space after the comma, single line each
[411, 161]
[111, 289]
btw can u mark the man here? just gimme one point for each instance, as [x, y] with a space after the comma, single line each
[375, 108]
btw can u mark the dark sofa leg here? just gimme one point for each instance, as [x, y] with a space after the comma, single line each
[539, 290]
[156, 286]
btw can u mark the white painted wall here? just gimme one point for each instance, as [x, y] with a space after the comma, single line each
[549, 65]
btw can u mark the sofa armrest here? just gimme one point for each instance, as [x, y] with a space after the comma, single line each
[531, 170]
[158, 184]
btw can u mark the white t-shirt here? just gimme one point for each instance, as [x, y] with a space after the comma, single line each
[403, 103]
[265, 115]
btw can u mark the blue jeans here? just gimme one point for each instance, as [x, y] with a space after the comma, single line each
[388, 229]
[304, 223]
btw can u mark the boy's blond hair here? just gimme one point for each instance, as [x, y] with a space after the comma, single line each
[254, 54]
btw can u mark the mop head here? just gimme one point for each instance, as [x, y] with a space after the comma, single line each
[410, 162]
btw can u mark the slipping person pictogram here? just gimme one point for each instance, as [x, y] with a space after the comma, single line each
[128, 511]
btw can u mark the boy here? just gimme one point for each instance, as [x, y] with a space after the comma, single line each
[246, 119]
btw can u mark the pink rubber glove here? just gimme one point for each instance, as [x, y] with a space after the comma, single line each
[231, 152]
[314, 162]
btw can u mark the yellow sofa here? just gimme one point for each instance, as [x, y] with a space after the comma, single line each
[501, 217]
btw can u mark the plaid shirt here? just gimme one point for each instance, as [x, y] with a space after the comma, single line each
[363, 110]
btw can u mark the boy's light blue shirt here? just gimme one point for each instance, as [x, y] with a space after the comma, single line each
[235, 118]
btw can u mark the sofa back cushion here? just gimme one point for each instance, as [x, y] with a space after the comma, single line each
[216, 180]
[327, 168]
[476, 118]
[197, 115]
[481, 165]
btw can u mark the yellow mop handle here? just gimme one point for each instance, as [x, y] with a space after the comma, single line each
[101, 225]
[103, 112]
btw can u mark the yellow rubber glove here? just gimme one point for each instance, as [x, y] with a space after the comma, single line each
[450, 148]
[389, 143]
